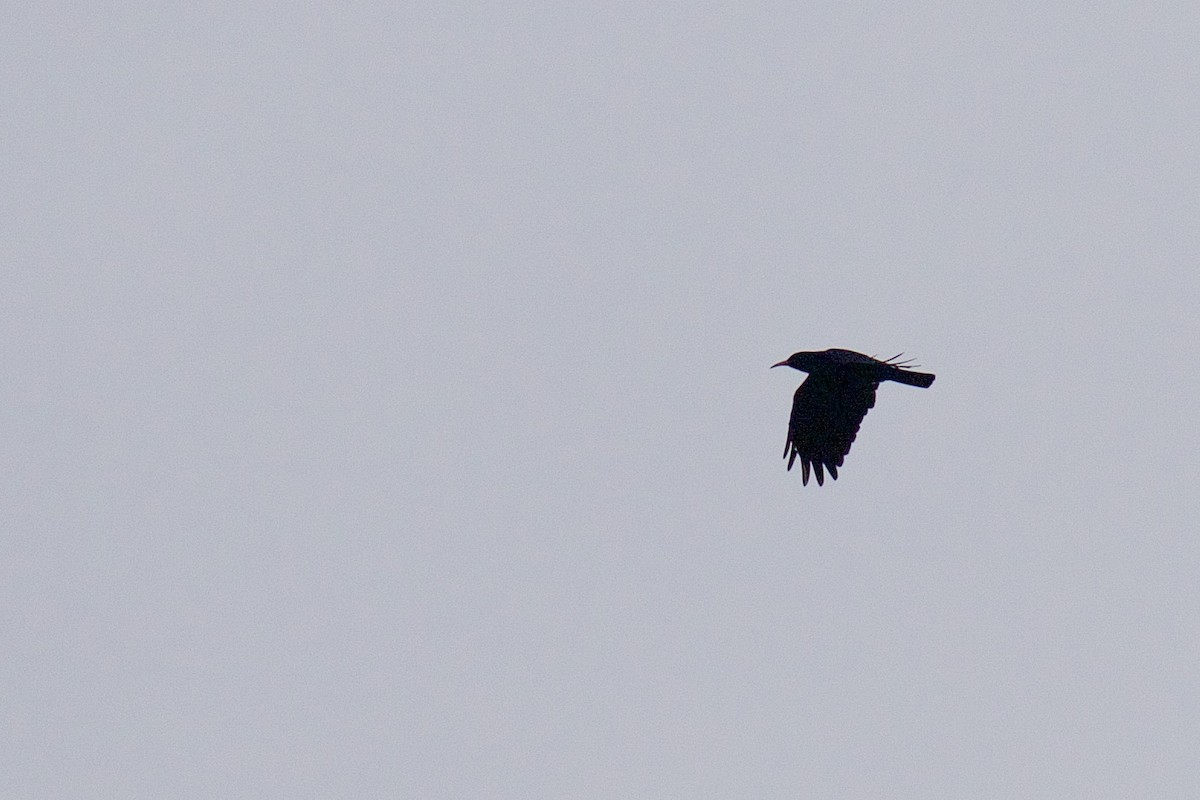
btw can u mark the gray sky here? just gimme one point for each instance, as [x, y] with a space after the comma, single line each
[389, 414]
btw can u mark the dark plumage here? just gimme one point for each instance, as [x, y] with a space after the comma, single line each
[831, 403]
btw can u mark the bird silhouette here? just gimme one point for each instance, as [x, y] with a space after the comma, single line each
[830, 404]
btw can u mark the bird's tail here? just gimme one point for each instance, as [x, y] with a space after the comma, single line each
[921, 379]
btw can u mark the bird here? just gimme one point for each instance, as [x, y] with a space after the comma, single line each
[830, 404]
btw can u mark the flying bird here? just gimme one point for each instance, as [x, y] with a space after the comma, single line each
[832, 401]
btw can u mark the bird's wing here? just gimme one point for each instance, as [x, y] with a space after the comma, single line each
[826, 413]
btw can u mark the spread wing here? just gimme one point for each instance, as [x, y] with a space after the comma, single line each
[826, 413]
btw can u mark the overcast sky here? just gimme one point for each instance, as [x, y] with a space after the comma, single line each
[388, 413]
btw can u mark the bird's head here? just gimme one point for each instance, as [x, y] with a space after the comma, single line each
[803, 361]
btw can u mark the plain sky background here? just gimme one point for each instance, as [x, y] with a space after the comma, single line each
[387, 408]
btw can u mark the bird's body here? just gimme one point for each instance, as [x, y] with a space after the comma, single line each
[830, 404]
